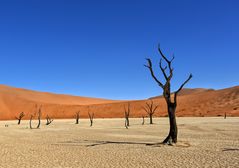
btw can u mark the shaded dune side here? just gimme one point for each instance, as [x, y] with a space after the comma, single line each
[203, 103]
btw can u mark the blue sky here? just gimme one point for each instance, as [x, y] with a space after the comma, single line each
[98, 48]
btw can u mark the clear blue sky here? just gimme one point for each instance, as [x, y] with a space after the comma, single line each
[98, 48]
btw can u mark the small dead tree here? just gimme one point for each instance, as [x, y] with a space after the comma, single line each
[126, 115]
[31, 117]
[19, 118]
[77, 116]
[150, 109]
[39, 119]
[171, 105]
[143, 120]
[91, 116]
[48, 120]
[225, 115]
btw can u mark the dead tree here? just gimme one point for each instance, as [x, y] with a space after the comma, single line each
[225, 115]
[31, 117]
[19, 118]
[48, 120]
[143, 120]
[126, 115]
[150, 109]
[39, 119]
[171, 105]
[91, 116]
[77, 116]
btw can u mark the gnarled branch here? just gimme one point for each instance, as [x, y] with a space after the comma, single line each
[180, 88]
[163, 69]
[48, 120]
[19, 118]
[149, 66]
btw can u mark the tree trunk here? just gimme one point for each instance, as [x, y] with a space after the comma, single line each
[19, 121]
[39, 120]
[151, 119]
[173, 131]
[31, 122]
[128, 122]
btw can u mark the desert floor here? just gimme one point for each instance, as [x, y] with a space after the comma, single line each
[203, 142]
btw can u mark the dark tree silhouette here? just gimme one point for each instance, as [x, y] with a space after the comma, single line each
[150, 109]
[77, 116]
[39, 119]
[48, 120]
[171, 105]
[143, 120]
[126, 114]
[225, 115]
[91, 116]
[31, 117]
[19, 118]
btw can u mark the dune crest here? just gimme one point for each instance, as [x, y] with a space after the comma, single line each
[192, 102]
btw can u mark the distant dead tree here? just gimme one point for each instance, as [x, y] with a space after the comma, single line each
[171, 105]
[31, 117]
[225, 115]
[143, 120]
[150, 109]
[91, 116]
[126, 115]
[39, 119]
[48, 120]
[77, 116]
[19, 118]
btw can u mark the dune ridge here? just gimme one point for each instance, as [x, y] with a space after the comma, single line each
[192, 102]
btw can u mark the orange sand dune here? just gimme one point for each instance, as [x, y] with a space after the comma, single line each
[191, 102]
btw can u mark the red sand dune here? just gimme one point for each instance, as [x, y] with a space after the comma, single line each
[191, 102]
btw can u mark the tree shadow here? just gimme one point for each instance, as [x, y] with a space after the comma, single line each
[96, 143]
[92, 143]
[230, 149]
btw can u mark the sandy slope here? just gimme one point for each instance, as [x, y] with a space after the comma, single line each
[203, 142]
[191, 102]
[14, 100]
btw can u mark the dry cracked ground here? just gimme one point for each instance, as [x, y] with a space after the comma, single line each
[203, 142]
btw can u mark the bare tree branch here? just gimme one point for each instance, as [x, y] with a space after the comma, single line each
[152, 72]
[21, 115]
[155, 108]
[168, 78]
[180, 88]
[164, 57]
[48, 120]
[163, 69]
